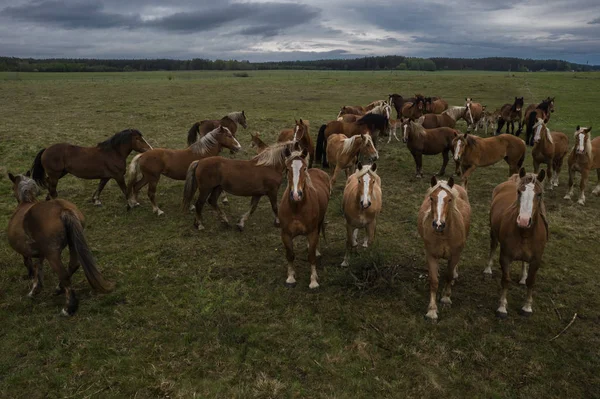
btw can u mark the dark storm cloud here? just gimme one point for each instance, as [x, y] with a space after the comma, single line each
[594, 21]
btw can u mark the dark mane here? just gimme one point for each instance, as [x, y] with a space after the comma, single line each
[118, 139]
[544, 105]
[373, 119]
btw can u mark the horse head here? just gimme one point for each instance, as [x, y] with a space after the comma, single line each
[366, 182]
[297, 173]
[530, 191]
[138, 142]
[441, 198]
[583, 142]
[226, 139]
[367, 149]
[24, 188]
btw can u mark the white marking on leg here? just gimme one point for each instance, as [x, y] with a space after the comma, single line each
[596, 190]
[291, 279]
[346, 262]
[524, 273]
[446, 300]
[581, 199]
[355, 238]
[313, 277]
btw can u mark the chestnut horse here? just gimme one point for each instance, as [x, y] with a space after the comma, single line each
[541, 111]
[302, 211]
[549, 148]
[299, 133]
[351, 110]
[436, 106]
[584, 157]
[509, 114]
[375, 104]
[147, 168]
[41, 231]
[254, 178]
[473, 114]
[443, 223]
[105, 161]
[421, 141]
[337, 127]
[447, 118]
[256, 142]
[361, 204]
[414, 109]
[518, 223]
[472, 151]
[343, 152]
[202, 128]
[349, 118]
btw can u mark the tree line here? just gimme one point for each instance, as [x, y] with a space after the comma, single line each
[390, 62]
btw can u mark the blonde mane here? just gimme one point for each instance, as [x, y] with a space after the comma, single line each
[298, 154]
[540, 122]
[349, 142]
[455, 112]
[273, 155]
[206, 143]
[417, 128]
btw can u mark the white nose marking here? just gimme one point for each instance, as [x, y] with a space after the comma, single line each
[440, 205]
[365, 197]
[527, 201]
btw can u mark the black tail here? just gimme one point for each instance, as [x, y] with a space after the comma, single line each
[522, 159]
[193, 133]
[529, 127]
[77, 243]
[38, 173]
[319, 151]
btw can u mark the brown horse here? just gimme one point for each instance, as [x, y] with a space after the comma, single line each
[302, 211]
[584, 157]
[489, 120]
[105, 161]
[336, 127]
[472, 151]
[349, 118]
[256, 142]
[254, 178]
[351, 110]
[375, 104]
[422, 141]
[539, 111]
[147, 168]
[41, 231]
[436, 106]
[361, 204]
[509, 113]
[549, 148]
[447, 118]
[396, 101]
[343, 152]
[414, 110]
[299, 133]
[518, 223]
[473, 114]
[202, 128]
[443, 223]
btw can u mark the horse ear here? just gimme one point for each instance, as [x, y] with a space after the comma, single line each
[589, 129]
[301, 122]
[433, 181]
[358, 165]
[304, 153]
[466, 135]
[373, 167]
[451, 182]
[521, 172]
[28, 173]
[11, 177]
[541, 175]
[577, 128]
[287, 152]
[296, 121]
[243, 113]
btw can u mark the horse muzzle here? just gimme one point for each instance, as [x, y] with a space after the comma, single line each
[296, 195]
[524, 222]
[365, 205]
[438, 227]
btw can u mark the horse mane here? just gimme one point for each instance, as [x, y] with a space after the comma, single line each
[27, 189]
[544, 105]
[541, 123]
[349, 142]
[118, 139]
[193, 132]
[273, 155]
[450, 111]
[417, 128]
[206, 143]
[237, 117]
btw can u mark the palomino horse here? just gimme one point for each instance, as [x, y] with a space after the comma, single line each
[254, 178]
[302, 212]
[414, 109]
[202, 128]
[383, 109]
[473, 114]
[541, 111]
[361, 204]
[471, 152]
[447, 118]
[105, 161]
[509, 114]
[256, 142]
[584, 157]
[343, 152]
[421, 141]
[549, 148]
[299, 133]
[42, 230]
[518, 223]
[436, 106]
[337, 127]
[173, 164]
[443, 224]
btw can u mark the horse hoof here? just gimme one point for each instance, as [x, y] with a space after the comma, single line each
[431, 316]
[580, 202]
[199, 226]
[225, 224]
[345, 264]
[501, 315]
[290, 285]
[97, 203]
[525, 313]
[65, 313]
[446, 300]
[159, 213]
[59, 291]
[276, 223]
[240, 227]
[225, 202]
[313, 285]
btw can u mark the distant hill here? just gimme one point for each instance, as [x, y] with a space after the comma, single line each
[358, 64]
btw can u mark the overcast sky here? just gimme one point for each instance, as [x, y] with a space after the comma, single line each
[305, 29]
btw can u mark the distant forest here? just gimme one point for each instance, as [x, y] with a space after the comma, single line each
[391, 62]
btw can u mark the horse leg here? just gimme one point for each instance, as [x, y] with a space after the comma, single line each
[536, 166]
[349, 244]
[213, 200]
[120, 179]
[225, 200]
[557, 166]
[288, 243]
[493, 245]
[501, 123]
[550, 175]
[333, 178]
[52, 183]
[433, 266]
[501, 312]
[416, 157]
[524, 273]
[571, 184]
[445, 158]
[597, 189]
[465, 175]
[253, 204]
[203, 195]
[313, 241]
[28, 262]
[152, 196]
[96, 195]
[370, 235]
[38, 277]
[65, 282]
[274, 207]
[527, 310]
[133, 200]
[584, 176]
[451, 274]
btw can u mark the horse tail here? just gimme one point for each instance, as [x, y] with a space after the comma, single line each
[193, 133]
[190, 186]
[320, 143]
[38, 173]
[77, 243]
[132, 174]
[520, 163]
[529, 126]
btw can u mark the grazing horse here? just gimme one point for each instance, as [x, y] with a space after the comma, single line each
[472, 151]
[421, 141]
[414, 109]
[541, 111]
[447, 118]
[443, 223]
[105, 161]
[337, 127]
[202, 128]
[584, 157]
[256, 142]
[549, 148]
[473, 114]
[254, 178]
[302, 211]
[436, 106]
[299, 133]
[41, 231]
[173, 164]
[361, 204]
[343, 152]
[509, 114]
[518, 223]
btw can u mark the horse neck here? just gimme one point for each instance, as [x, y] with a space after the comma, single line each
[124, 150]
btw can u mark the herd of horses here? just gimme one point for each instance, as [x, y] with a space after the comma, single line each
[42, 230]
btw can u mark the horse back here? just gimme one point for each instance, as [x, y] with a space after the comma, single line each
[44, 224]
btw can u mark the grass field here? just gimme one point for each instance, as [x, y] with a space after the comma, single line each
[207, 314]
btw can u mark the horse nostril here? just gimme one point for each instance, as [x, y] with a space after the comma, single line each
[369, 203]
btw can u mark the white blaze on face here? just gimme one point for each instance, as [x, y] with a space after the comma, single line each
[296, 167]
[470, 114]
[148, 144]
[526, 208]
[538, 132]
[457, 150]
[295, 132]
[237, 143]
[405, 132]
[580, 144]
[365, 198]
[440, 206]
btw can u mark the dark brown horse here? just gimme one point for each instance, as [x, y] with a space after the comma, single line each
[41, 230]
[230, 121]
[509, 113]
[105, 161]
[518, 223]
[421, 141]
[435, 106]
[541, 111]
[302, 212]
[414, 109]
[396, 101]
[300, 134]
